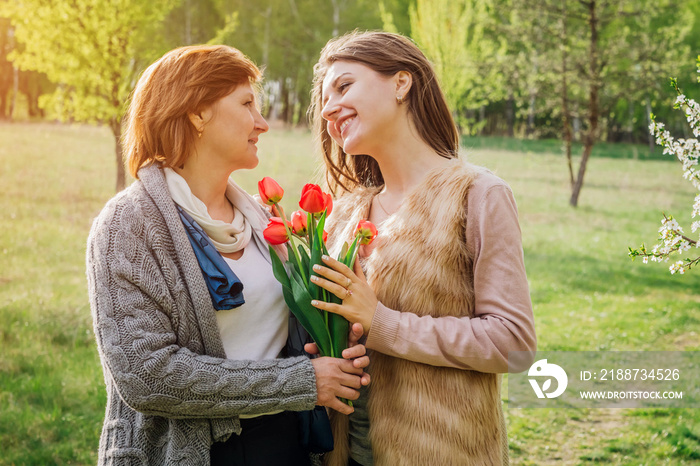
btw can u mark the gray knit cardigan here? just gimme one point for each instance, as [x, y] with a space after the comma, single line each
[171, 392]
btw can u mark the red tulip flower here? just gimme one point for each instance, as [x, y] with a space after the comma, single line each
[305, 242]
[367, 231]
[329, 203]
[299, 221]
[270, 191]
[276, 233]
[315, 201]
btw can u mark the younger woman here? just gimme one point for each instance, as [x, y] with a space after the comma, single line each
[442, 293]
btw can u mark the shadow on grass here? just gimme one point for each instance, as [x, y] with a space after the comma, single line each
[581, 273]
[554, 146]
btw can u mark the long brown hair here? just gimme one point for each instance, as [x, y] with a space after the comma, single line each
[184, 80]
[387, 54]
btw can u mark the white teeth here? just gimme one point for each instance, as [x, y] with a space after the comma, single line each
[345, 123]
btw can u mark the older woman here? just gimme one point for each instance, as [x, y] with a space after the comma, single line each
[190, 322]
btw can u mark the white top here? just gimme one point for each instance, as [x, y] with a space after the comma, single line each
[257, 329]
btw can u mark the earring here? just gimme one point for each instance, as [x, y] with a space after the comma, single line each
[199, 134]
[399, 99]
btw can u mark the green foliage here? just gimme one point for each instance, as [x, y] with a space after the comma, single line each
[285, 37]
[640, 44]
[500, 60]
[196, 22]
[230, 24]
[92, 48]
[455, 36]
[387, 18]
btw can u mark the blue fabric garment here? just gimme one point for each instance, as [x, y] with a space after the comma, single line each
[315, 427]
[225, 289]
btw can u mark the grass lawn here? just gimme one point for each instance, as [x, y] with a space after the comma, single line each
[587, 294]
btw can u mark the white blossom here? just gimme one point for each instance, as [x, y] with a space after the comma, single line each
[677, 267]
[671, 237]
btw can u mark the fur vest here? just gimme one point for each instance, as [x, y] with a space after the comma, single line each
[421, 414]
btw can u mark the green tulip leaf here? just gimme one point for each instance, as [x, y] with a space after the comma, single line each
[292, 258]
[338, 327]
[349, 259]
[343, 252]
[310, 317]
[278, 269]
[304, 257]
[280, 273]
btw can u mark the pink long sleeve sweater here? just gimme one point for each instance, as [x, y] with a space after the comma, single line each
[503, 319]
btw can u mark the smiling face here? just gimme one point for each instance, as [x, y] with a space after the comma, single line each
[359, 106]
[230, 130]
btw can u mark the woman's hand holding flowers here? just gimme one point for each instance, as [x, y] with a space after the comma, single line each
[336, 378]
[355, 352]
[359, 300]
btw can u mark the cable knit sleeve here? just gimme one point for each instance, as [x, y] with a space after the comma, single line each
[151, 347]
[503, 318]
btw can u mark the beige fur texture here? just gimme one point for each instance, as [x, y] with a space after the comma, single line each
[421, 414]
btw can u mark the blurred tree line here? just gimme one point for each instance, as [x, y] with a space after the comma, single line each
[574, 70]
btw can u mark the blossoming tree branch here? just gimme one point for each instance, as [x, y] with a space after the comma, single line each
[673, 241]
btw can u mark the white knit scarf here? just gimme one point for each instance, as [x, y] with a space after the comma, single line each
[248, 217]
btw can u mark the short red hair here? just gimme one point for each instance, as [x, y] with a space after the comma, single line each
[184, 80]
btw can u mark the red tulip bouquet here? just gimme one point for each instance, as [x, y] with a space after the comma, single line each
[328, 330]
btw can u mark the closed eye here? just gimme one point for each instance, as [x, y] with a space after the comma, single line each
[343, 87]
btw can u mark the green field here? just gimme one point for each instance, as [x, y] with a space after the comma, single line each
[587, 294]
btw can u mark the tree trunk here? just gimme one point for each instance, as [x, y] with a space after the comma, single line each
[630, 122]
[530, 128]
[532, 90]
[301, 103]
[567, 135]
[336, 17]
[565, 99]
[266, 41]
[188, 23]
[510, 114]
[576, 191]
[15, 91]
[33, 90]
[286, 115]
[3, 105]
[116, 127]
[482, 120]
[593, 111]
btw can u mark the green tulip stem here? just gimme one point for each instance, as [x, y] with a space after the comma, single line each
[290, 235]
[302, 239]
[312, 226]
